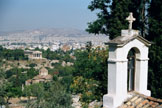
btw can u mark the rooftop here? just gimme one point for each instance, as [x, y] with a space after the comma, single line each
[127, 36]
[43, 70]
[141, 101]
[39, 77]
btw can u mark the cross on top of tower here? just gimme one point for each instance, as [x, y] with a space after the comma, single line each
[130, 19]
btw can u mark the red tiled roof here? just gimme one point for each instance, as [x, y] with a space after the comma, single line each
[141, 101]
[29, 80]
[43, 69]
[42, 77]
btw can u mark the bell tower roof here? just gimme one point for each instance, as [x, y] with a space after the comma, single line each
[123, 40]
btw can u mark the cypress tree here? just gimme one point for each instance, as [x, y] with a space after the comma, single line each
[100, 25]
[111, 18]
[139, 9]
[155, 35]
[117, 21]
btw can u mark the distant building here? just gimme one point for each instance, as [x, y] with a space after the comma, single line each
[69, 64]
[42, 77]
[63, 64]
[66, 64]
[76, 46]
[66, 48]
[33, 54]
[45, 47]
[55, 61]
[55, 46]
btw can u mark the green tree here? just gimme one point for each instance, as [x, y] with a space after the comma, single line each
[32, 65]
[2, 87]
[101, 24]
[56, 55]
[87, 87]
[155, 35]
[49, 95]
[88, 46]
[31, 73]
[16, 54]
[111, 18]
[92, 65]
[57, 97]
[8, 88]
[15, 79]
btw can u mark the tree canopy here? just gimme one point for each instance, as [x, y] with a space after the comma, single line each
[155, 35]
[90, 72]
[112, 15]
[8, 54]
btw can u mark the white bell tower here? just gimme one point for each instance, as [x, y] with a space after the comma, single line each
[127, 66]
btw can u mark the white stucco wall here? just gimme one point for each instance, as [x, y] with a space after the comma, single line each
[117, 73]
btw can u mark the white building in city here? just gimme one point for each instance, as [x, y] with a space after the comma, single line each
[33, 54]
[55, 46]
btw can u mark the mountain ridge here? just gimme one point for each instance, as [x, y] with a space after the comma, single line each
[52, 32]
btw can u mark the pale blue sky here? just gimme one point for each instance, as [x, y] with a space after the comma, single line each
[35, 14]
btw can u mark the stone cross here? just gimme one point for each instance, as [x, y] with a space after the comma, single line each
[130, 19]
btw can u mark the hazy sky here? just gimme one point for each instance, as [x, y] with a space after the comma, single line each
[33, 14]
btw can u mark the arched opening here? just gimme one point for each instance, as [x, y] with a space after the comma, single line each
[132, 56]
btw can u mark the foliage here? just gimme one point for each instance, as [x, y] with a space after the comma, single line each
[112, 14]
[101, 24]
[7, 91]
[18, 76]
[14, 79]
[49, 95]
[8, 54]
[90, 64]
[12, 91]
[89, 46]
[34, 90]
[1, 62]
[2, 101]
[32, 65]
[87, 88]
[59, 90]
[63, 72]
[31, 73]
[2, 87]
[155, 35]
[2, 74]
[56, 55]
[66, 73]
